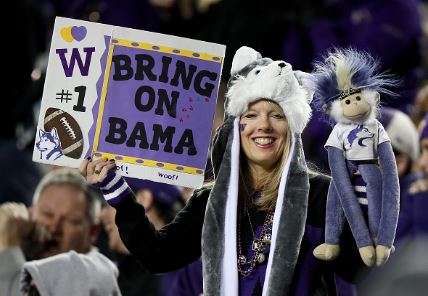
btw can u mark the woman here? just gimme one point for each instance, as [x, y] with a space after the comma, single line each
[264, 214]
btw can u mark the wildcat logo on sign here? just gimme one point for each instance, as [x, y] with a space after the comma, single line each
[145, 99]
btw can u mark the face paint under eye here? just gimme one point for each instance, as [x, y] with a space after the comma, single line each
[242, 126]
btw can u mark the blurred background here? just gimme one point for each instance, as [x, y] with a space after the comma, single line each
[296, 31]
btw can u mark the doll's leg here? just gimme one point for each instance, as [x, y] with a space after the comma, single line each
[341, 170]
[334, 222]
[353, 211]
[335, 218]
[373, 178]
[367, 252]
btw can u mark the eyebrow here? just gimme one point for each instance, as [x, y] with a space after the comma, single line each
[270, 111]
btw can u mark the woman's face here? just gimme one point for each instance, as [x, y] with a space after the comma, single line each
[264, 132]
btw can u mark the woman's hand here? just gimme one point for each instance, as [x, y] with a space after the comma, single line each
[95, 171]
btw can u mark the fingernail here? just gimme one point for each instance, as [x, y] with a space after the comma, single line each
[88, 157]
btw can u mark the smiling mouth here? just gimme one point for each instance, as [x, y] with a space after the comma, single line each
[263, 141]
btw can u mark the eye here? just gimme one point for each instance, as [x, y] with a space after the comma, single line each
[73, 221]
[249, 115]
[46, 214]
[358, 98]
[348, 102]
[257, 72]
[277, 116]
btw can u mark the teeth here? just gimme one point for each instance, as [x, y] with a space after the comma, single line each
[263, 141]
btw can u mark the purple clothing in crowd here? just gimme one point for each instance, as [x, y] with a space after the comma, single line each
[406, 218]
[418, 202]
[188, 281]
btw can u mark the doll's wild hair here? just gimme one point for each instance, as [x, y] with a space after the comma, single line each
[345, 71]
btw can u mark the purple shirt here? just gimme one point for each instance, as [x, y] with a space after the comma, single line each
[253, 283]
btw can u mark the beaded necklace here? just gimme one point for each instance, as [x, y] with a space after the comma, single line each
[260, 246]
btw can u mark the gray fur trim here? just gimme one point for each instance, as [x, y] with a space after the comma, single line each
[292, 224]
[213, 229]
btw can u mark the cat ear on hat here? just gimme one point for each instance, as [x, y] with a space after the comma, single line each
[307, 81]
[244, 55]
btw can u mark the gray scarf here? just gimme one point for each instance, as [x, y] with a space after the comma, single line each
[219, 232]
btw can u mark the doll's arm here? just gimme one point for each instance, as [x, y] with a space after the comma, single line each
[351, 208]
[390, 195]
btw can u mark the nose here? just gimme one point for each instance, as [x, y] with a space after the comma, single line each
[55, 225]
[265, 124]
[282, 64]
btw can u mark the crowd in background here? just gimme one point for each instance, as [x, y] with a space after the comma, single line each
[299, 32]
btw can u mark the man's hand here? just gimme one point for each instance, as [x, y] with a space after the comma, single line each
[419, 186]
[15, 224]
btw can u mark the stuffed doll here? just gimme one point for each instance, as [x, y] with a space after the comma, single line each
[347, 88]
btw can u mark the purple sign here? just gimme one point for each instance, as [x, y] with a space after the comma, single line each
[159, 106]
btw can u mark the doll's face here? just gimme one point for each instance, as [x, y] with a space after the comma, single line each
[355, 107]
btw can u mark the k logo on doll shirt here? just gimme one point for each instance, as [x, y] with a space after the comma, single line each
[359, 142]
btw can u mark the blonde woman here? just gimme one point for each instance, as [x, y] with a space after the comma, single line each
[257, 225]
